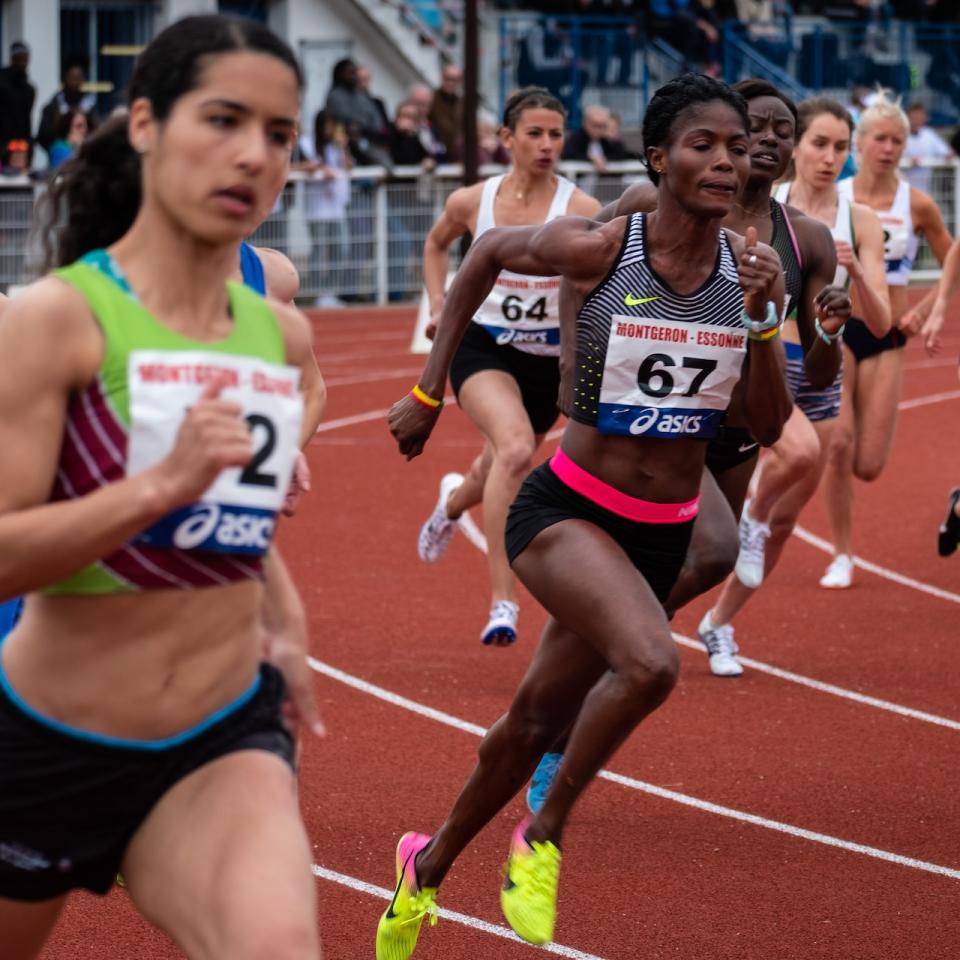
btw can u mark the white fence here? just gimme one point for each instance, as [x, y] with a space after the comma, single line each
[372, 254]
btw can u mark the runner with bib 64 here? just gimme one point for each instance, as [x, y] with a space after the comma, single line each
[598, 534]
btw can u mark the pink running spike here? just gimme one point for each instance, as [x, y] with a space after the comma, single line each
[407, 849]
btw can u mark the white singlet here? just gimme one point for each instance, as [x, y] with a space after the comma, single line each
[523, 311]
[900, 241]
[842, 228]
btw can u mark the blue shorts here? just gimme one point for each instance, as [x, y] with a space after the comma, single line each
[815, 403]
[9, 614]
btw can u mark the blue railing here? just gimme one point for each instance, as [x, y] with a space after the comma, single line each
[742, 60]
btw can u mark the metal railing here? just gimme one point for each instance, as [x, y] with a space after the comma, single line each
[373, 252]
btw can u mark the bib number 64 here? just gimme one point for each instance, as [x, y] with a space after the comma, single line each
[655, 379]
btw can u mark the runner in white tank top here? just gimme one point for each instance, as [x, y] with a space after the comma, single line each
[874, 367]
[506, 373]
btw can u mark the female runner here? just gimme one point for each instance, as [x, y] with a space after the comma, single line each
[873, 371]
[140, 730]
[598, 535]
[505, 373]
[823, 143]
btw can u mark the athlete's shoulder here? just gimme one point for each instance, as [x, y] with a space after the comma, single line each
[465, 201]
[640, 197]
[811, 234]
[281, 276]
[921, 204]
[582, 204]
[295, 327]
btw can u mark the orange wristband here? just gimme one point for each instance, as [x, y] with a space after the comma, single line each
[425, 398]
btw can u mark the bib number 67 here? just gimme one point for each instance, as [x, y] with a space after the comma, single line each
[655, 379]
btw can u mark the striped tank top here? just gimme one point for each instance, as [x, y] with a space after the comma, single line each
[784, 241]
[120, 422]
[652, 362]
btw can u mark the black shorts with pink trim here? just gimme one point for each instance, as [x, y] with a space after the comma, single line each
[657, 550]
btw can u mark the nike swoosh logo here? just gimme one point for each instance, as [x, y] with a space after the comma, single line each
[744, 447]
[631, 301]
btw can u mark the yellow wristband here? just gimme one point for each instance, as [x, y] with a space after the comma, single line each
[425, 398]
[766, 334]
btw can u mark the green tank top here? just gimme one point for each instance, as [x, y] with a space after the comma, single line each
[94, 450]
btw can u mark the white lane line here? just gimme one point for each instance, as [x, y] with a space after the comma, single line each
[361, 418]
[704, 805]
[558, 949]
[930, 364]
[323, 358]
[474, 535]
[352, 338]
[830, 688]
[807, 537]
[926, 401]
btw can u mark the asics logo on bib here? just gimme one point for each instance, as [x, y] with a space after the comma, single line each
[633, 301]
[653, 421]
[521, 336]
[212, 527]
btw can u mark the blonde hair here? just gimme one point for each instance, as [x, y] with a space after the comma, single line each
[882, 108]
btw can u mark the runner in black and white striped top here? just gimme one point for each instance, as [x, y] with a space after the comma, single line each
[599, 534]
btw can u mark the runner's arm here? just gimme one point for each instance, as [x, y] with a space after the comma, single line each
[821, 360]
[639, 197]
[43, 542]
[868, 273]
[453, 222]
[298, 339]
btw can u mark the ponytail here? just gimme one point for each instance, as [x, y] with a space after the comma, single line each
[94, 197]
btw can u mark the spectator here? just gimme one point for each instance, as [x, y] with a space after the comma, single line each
[490, 146]
[923, 143]
[406, 146]
[16, 158]
[356, 110]
[326, 156]
[446, 108]
[614, 135]
[16, 100]
[364, 78]
[592, 143]
[421, 97]
[70, 131]
[69, 98]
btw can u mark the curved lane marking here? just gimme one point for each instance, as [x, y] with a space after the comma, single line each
[704, 805]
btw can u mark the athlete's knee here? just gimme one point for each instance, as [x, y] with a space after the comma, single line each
[714, 558]
[840, 451]
[277, 938]
[515, 456]
[868, 468]
[653, 674]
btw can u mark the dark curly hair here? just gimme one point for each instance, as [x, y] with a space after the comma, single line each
[95, 197]
[673, 98]
[529, 98]
[754, 89]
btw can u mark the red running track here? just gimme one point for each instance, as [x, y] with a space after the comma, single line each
[854, 846]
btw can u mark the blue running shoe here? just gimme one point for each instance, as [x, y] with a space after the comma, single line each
[541, 780]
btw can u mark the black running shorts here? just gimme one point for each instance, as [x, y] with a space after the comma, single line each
[863, 344]
[70, 803]
[657, 550]
[537, 377]
[731, 447]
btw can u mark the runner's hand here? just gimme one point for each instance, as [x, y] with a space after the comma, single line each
[833, 308]
[212, 437]
[848, 259]
[758, 268]
[286, 649]
[431, 329]
[411, 423]
[930, 331]
[299, 485]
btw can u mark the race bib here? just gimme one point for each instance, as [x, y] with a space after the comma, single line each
[668, 378]
[238, 512]
[896, 237]
[522, 310]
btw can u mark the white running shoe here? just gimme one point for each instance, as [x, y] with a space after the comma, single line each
[718, 639]
[435, 534]
[753, 543]
[501, 628]
[839, 575]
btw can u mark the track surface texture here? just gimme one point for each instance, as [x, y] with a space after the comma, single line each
[751, 818]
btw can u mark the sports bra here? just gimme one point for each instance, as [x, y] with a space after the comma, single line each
[251, 267]
[842, 228]
[127, 420]
[522, 311]
[652, 362]
[900, 240]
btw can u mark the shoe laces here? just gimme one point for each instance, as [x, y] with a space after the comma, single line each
[719, 640]
[753, 539]
[544, 869]
[420, 904]
[504, 610]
